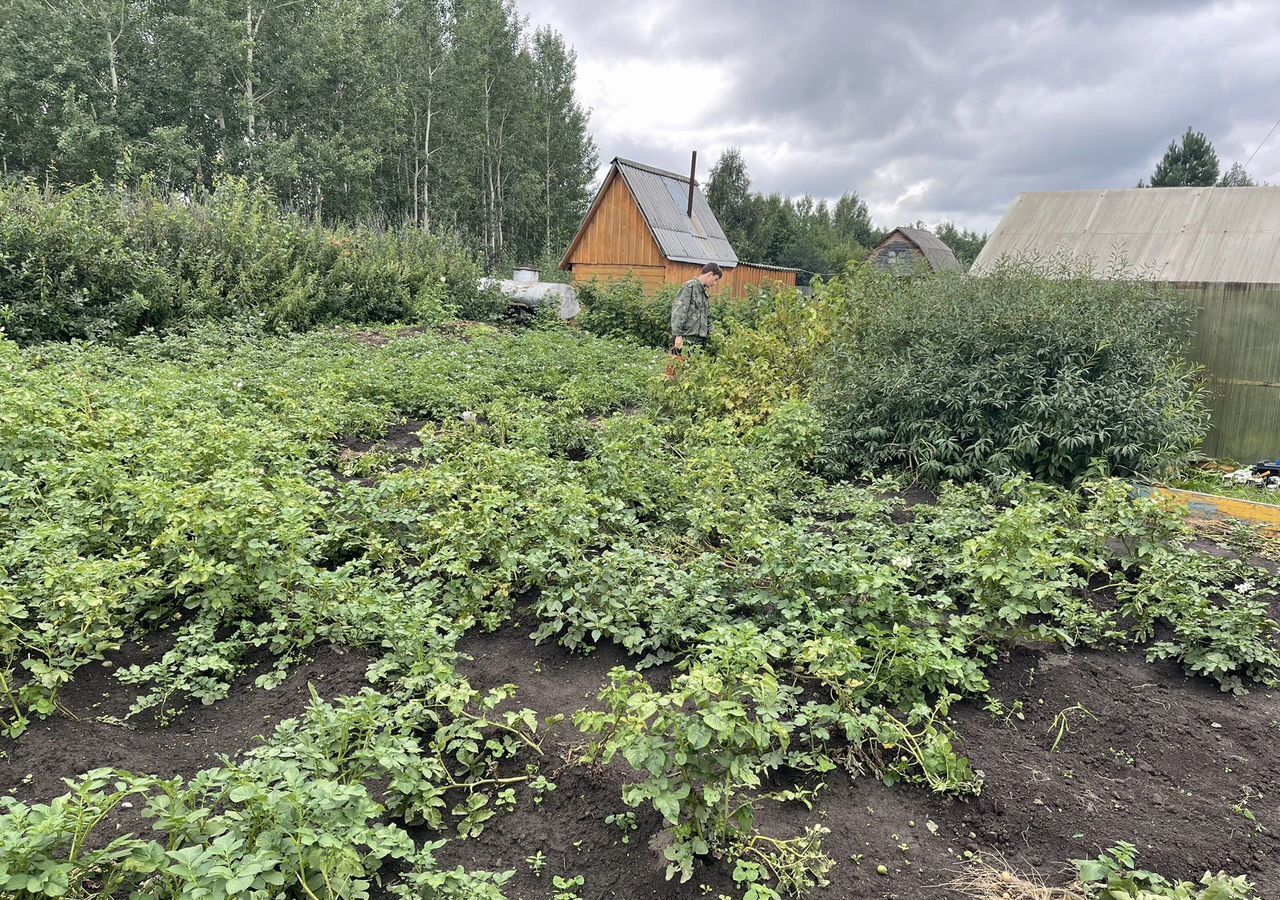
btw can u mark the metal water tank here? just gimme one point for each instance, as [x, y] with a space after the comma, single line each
[524, 289]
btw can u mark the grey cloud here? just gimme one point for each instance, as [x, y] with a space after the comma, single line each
[979, 101]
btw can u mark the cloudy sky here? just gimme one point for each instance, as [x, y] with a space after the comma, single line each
[932, 111]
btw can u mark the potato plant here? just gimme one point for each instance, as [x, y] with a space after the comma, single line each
[210, 494]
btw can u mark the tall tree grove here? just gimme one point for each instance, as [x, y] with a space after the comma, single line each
[450, 114]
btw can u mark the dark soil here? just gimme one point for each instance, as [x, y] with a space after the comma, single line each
[96, 734]
[400, 440]
[1159, 760]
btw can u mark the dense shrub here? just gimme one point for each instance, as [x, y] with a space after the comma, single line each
[97, 262]
[69, 270]
[622, 309]
[1033, 368]
[763, 357]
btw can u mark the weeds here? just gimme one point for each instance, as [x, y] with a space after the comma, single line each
[1062, 724]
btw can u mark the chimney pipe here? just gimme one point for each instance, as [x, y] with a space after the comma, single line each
[693, 169]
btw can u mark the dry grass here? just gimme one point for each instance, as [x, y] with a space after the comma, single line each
[1258, 540]
[993, 879]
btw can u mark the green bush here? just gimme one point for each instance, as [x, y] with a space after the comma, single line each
[69, 270]
[762, 359]
[100, 262]
[621, 309]
[1113, 875]
[1031, 368]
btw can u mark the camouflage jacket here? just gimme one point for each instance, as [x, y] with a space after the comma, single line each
[691, 311]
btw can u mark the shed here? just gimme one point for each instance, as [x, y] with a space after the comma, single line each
[1219, 245]
[639, 225]
[903, 249]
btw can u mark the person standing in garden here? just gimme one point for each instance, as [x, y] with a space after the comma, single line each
[691, 311]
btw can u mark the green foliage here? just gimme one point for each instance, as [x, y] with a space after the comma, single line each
[297, 816]
[1237, 176]
[1028, 368]
[965, 244]
[729, 195]
[1210, 480]
[763, 362]
[1216, 612]
[98, 262]
[252, 495]
[176, 484]
[621, 309]
[784, 231]
[1191, 163]
[706, 745]
[438, 754]
[1112, 876]
[442, 115]
[263, 839]
[68, 270]
[1029, 563]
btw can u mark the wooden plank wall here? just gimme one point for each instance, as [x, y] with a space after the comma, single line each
[898, 252]
[746, 275]
[617, 234]
[735, 281]
[1237, 340]
[652, 277]
[617, 242]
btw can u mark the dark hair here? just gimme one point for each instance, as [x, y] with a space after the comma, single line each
[713, 269]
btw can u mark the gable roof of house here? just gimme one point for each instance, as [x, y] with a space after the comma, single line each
[663, 200]
[1190, 234]
[936, 253]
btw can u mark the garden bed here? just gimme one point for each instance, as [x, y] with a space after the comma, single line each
[1165, 762]
[745, 677]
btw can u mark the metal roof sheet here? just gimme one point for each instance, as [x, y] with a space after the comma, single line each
[663, 199]
[1193, 234]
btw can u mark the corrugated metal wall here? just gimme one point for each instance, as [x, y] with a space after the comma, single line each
[1237, 340]
[1196, 234]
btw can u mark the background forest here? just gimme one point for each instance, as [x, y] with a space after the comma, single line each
[453, 115]
[447, 113]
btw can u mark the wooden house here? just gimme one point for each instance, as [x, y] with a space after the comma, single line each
[906, 249]
[639, 225]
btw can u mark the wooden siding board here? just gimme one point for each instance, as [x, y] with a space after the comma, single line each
[654, 278]
[616, 234]
[650, 276]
